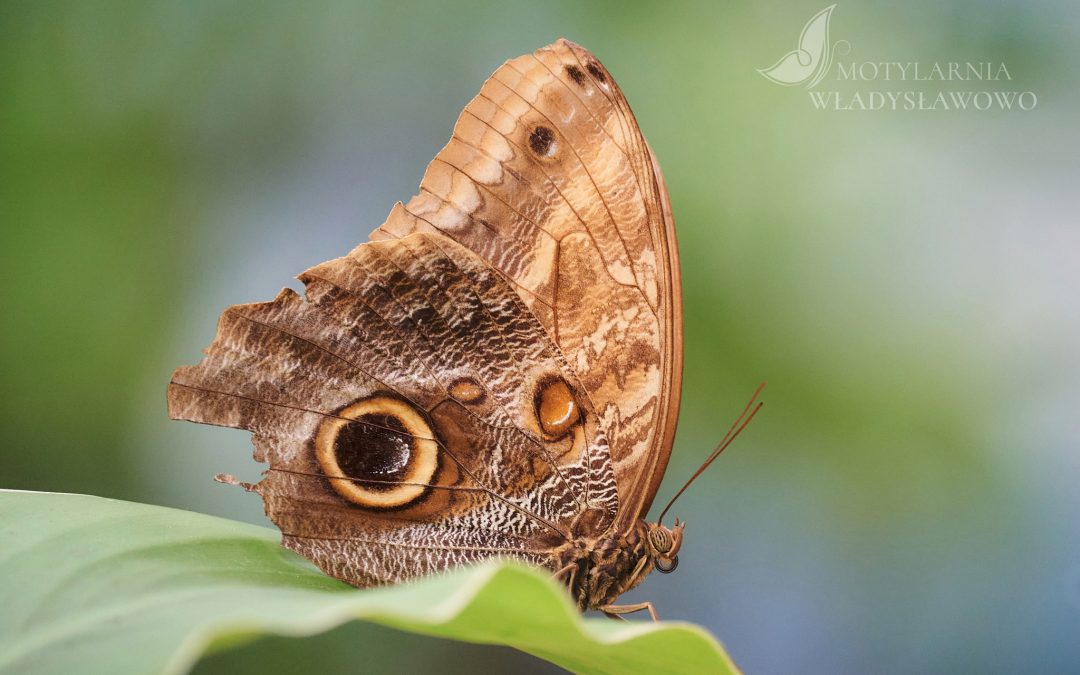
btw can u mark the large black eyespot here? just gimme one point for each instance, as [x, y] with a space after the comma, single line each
[375, 446]
[666, 565]
[378, 453]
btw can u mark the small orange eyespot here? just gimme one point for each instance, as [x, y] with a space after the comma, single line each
[556, 408]
[467, 390]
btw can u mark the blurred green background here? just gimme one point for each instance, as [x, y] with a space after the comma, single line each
[908, 282]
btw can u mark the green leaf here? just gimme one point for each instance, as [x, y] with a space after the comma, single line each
[94, 585]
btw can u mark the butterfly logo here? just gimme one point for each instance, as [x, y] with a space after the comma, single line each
[811, 61]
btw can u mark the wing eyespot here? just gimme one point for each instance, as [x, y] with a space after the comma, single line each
[378, 453]
[575, 73]
[594, 69]
[557, 410]
[467, 390]
[543, 143]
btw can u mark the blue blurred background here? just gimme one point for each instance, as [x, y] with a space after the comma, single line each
[908, 282]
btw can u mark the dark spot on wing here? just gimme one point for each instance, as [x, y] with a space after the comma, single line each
[596, 71]
[542, 141]
[375, 447]
[575, 74]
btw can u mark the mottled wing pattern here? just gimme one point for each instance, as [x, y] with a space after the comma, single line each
[511, 335]
[548, 178]
[416, 318]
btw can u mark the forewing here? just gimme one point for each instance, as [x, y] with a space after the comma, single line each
[549, 179]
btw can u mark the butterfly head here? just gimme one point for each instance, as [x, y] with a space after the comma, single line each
[663, 545]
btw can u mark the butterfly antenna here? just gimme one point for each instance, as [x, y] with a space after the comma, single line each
[740, 423]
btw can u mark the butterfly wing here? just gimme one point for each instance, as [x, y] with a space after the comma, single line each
[395, 407]
[405, 404]
[548, 178]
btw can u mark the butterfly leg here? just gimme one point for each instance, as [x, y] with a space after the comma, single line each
[617, 611]
[571, 570]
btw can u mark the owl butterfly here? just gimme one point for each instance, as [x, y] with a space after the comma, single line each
[496, 373]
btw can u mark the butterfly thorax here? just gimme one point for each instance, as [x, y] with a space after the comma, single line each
[600, 569]
[605, 565]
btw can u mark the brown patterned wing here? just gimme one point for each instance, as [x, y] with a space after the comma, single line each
[404, 408]
[548, 178]
[503, 357]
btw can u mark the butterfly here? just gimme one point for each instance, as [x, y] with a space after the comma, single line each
[496, 373]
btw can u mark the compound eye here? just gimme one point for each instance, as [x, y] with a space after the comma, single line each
[666, 565]
[660, 540]
[378, 453]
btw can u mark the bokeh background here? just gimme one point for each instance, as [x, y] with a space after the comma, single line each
[908, 282]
